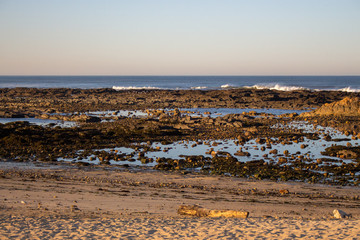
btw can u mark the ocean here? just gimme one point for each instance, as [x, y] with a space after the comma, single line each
[285, 83]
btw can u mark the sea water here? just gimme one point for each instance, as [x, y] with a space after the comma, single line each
[284, 83]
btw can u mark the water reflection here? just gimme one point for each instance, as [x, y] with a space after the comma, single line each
[308, 150]
[40, 122]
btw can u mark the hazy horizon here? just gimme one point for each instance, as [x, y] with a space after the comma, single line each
[180, 38]
[173, 75]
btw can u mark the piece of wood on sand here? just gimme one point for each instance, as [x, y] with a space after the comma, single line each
[195, 210]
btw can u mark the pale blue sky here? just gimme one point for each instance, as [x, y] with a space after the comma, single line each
[184, 37]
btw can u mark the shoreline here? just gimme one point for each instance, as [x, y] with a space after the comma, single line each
[94, 188]
[89, 203]
[35, 101]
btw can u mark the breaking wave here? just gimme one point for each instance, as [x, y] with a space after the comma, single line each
[277, 86]
[348, 89]
[199, 88]
[134, 88]
[227, 86]
[271, 86]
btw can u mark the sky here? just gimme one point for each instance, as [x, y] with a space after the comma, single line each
[180, 37]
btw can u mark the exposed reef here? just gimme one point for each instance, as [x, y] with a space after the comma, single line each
[32, 102]
[22, 141]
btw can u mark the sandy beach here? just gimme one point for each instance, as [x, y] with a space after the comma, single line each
[85, 203]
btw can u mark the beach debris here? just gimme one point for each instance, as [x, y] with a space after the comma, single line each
[284, 191]
[196, 210]
[74, 208]
[340, 214]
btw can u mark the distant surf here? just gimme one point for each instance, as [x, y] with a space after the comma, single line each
[280, 83]
[276, 86]
[134, 88]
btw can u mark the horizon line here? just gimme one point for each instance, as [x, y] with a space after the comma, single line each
[178, 75]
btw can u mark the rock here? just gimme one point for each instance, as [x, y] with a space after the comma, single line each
[164, 117]
[282, 160]
[241, 153]
[92, 119]
[260, 140]
[349, 106]
[182, 126]
[340, 214]
[238, 124]
[195, 210]
[303, 146]
[274, 151]
[176, 112]
[16, 115]
[74, 208]
[284, 191]
[44, 116]
[213, 153]
[85, 118]
[347, 154]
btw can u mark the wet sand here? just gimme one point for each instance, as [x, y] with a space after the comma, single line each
[96, 203]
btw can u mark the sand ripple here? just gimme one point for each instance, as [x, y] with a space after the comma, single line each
[175, 228]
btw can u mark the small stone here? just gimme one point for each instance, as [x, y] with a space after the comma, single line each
[284, 191]
[274, 151]
[340, 214]
[302, 146]
[213, 154]
[74, 208]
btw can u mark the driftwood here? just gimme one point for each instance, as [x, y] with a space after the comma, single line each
[195, 210]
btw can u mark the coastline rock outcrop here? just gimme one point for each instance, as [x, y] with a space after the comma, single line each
[349, 106]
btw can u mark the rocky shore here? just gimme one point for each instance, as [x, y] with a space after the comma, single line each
[280, 191]
[24, 142]
[32, 102]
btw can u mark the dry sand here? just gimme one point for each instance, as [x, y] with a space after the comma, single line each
[92, 203]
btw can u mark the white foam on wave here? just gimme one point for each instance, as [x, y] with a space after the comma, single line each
[227, 86]
[198, 88]
[133, 88]
[278, 87]
[273, 86]
[348, 89]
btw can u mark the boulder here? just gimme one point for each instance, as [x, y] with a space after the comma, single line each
[340, 214]
[349, 106]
